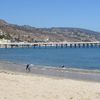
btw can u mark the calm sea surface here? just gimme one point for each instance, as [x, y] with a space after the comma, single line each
[84, 58]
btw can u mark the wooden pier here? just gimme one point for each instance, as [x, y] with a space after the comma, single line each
[51, 44]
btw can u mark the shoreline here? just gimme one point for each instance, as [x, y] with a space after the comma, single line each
[74, 74]
[70, 69]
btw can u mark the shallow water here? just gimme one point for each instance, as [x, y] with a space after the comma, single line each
[84, 58]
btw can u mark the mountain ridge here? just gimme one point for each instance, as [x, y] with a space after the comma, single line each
[54, 34]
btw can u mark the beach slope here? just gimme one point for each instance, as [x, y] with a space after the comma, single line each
[15, 86]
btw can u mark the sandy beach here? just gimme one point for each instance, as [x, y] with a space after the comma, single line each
[24, 86]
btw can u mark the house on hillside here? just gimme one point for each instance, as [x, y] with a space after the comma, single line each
[4, 41]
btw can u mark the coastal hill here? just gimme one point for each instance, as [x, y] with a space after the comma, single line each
[32, 34]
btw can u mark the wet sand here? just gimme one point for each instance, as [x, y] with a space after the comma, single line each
[84, 75]
[21, 85]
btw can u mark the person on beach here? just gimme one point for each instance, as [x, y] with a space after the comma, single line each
[28, 67]
[62, 66]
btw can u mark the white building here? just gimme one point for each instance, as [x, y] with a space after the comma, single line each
[4, 41]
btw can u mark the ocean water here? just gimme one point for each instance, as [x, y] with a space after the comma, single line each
[83, 58]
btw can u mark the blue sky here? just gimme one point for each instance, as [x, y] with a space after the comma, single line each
[52, 13]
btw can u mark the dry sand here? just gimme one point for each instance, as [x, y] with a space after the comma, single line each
[17, 86]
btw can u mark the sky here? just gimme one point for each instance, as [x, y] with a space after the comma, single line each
[52, 13]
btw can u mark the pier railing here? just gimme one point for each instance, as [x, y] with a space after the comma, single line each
[56, 44]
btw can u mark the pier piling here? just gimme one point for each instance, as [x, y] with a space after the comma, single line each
[50, 44]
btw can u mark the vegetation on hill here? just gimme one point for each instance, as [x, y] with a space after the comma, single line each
[32, 34]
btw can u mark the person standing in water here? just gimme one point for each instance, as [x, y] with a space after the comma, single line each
[62, 66]
[28, 67]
